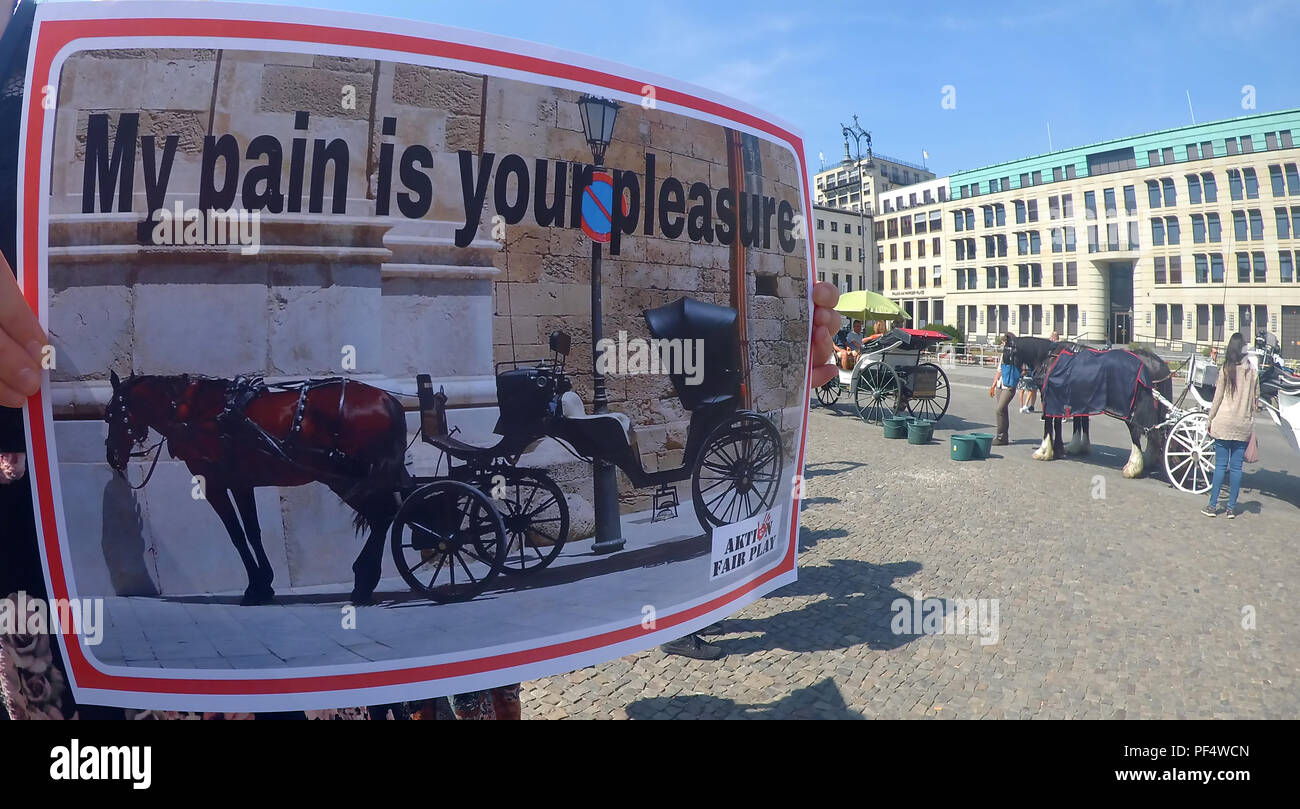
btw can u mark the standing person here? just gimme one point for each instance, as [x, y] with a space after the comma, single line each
[1232, 420]
[1003, 389]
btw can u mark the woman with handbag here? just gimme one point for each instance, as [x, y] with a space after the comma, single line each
[1232, 423]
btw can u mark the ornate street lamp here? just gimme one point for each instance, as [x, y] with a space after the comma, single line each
[859, 134]
[598, 115]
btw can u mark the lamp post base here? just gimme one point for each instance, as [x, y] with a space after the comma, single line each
[609, 525]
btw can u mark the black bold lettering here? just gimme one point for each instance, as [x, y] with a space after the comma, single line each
[672, 200]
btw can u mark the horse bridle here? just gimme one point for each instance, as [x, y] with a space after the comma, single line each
[116, 411]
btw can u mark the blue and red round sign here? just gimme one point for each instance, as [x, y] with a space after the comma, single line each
[597, 202]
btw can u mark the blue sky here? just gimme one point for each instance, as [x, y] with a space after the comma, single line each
[1094, 69]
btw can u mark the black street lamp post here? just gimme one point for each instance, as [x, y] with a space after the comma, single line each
[598, 116]
[859, 134]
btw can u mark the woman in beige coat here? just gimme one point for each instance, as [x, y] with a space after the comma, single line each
[1232, 420]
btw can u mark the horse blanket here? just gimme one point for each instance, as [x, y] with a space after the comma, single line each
[1090, 382]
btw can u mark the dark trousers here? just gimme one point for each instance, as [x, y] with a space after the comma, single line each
[1005, 395]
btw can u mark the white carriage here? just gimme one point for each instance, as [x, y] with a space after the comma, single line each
[1189, 449]
[890, 378]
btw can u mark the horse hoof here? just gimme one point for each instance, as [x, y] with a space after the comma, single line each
[360, 599]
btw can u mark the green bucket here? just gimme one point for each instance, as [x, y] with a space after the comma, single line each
[896, 426]
[920, 431]
[963, 447]
[984, 444]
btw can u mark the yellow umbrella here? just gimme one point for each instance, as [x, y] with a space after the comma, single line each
[870, 306]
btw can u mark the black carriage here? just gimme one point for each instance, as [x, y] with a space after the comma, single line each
[454, 533]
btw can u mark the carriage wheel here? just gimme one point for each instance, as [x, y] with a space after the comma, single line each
[738, 472]
[439, 538]
[829, 393]
[536, 516]
[876, 392]
[1189, 453]
[932, 408]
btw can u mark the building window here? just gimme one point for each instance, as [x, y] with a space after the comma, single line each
[1171, 193]
[907, 250]
[938, 276]
[1292, 180]
[1175, 269]
[1175, 321]
[920, 277]
[1153, 194]
[848, 253]
[1171, 229]
[1053, 207]
[1234, 184]
[1202, 268]
[1093, 244]
[1160, 274]
[1162, 317]
[1275, 177]
[1112, 236]
[1211, 190]
[1090, 204]
[1157, 231]
[1230, 145]
[1283, 223]
[1071, 274]
[893, 252]
[1193, 189]
[835, 252]
[1032, 205]
[1109, 195]
[934, 246]
[821, 224]
[1214, 226]
[1284, 263]
[1198, 229]
[821, 250]
[1243, 268]
[1069, 239]
[1260, 266]
[1256, 224]
[1130, 200]
[1239, 225]
[1133, 243]
[893, 279]
[1216, 268]
[1069, 172]
[1020, 211]
[1252, 183]
[1247, 144]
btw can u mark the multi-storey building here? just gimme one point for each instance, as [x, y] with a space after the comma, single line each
[853, 184]
[1175, 238]
[843, 240]
[910, 248]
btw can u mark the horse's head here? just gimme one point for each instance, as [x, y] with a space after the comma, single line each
[137, 404]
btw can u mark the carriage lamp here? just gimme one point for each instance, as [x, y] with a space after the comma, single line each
[598, 115]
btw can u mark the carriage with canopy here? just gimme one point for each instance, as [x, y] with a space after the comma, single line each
[889, 376]
[1189, 448]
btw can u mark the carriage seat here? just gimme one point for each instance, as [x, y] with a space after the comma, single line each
[571, 407]
[1286, 382]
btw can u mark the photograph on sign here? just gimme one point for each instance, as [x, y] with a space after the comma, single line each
[396, 360]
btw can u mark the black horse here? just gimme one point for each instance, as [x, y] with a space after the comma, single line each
[1032, 352]
[1141, 374]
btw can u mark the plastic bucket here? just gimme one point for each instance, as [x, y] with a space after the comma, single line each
[984, 444]
[896, 427]
[963, 447]
[920, 431]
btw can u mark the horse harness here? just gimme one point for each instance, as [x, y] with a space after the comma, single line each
[233, 420]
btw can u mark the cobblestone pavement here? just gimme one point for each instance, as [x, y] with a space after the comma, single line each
[1116, 598]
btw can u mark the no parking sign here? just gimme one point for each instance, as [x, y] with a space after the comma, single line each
[597, 202]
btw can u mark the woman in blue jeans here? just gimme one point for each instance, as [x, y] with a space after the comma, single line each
[1232, 420]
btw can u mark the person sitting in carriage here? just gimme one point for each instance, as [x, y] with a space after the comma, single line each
[848, 345]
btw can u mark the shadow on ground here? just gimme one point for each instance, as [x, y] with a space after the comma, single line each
[819, 701]
[857, 611]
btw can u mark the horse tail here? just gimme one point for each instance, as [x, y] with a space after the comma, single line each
[388, 473]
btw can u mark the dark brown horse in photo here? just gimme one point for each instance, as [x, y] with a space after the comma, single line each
[241, 434]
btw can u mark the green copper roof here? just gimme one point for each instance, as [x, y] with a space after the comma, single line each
[1215, 132]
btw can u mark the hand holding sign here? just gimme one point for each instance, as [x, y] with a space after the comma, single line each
[22, 343]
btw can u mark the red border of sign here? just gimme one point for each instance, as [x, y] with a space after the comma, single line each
[52, 36]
